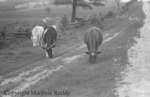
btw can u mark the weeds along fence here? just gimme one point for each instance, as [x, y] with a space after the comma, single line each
[18, 35]
[80, 22]
[94, 19]
[77, 24]
[13, 31]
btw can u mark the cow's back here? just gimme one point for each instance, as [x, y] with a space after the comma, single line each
[37, 31]
[93, 38]
[50, 36]
[36, 36]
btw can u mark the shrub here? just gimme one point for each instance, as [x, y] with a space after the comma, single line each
[109, 14]
[62, 23]
[93, 19]
[96, 20]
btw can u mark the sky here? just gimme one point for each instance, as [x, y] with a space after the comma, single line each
[2, 0]
[125, 0]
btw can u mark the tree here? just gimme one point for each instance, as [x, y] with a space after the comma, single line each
[74, 5]
[118, 4]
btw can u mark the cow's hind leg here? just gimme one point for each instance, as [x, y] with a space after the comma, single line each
[46, 54]
[49, 52]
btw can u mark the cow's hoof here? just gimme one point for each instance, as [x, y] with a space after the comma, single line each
[51, 56]
[47, 56]
[92, 62]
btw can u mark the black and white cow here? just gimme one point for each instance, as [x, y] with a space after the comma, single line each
[44, 37]
[93, 39]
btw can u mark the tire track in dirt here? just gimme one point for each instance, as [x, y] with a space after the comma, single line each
[32, 73]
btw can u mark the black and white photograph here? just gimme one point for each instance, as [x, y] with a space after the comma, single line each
[74, 48]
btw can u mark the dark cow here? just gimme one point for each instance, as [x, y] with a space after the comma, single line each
[49, 39]
[93, 39]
